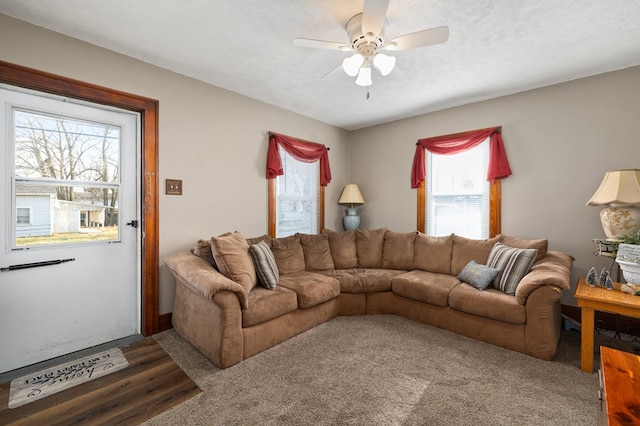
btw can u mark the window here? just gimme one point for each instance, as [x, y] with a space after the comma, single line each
[458, 193]
[65, 169]
[23, 215]
[457, 201]
[297, 172]
[297, 193]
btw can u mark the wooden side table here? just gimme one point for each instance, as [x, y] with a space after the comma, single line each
[591, 299]
[620, 383]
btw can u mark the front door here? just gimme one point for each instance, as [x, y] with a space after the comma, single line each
[69, 226]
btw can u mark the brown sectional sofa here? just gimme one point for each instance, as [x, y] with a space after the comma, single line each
[357, 273]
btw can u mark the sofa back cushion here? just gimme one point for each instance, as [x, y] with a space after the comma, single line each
[466, 249]
[540, 245]
[317, 253]
[255, 240]
[369, 245]
[433, 254]
[398, 250]
[231, 253]
[288, 254]
[343, 248]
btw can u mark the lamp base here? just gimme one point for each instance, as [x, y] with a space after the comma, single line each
[351, 220]
[620, 221]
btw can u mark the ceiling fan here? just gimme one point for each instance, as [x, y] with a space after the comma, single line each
[366, 35]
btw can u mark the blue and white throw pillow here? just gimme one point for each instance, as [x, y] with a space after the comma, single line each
[514, 264]
[479, 276]
[265, 263]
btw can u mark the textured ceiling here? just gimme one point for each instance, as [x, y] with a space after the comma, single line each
[495, 47]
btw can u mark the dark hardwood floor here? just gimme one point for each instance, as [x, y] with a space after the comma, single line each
[151, 384]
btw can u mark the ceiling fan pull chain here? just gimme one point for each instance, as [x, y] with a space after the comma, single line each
[367, 93]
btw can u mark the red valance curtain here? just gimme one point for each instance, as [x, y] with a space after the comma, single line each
[301, 150]
[453, 144]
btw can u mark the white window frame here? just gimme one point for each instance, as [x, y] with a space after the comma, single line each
[483, 229]
[313, 198]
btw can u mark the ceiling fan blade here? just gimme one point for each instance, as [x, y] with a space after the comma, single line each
[320, 44]
[374, 15]
[419, 39]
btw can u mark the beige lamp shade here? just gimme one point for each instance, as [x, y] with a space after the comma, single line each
[351, 196]
[619, 187]
[620, 192]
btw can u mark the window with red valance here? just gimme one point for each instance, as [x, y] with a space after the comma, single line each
[310, 205]
[498, 168]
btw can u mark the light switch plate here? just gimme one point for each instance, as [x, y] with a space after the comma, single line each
[173, 187]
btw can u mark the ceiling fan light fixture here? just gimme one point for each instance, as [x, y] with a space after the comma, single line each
[364, 77]
[384, 63]
[352, 64]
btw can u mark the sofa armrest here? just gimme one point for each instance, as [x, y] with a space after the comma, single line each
[552, 270]
[201, 276]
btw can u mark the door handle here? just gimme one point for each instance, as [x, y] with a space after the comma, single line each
[133, 223]
[36, 264]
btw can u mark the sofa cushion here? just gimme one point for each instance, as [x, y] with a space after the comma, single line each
[466, 249]
[423, 286]
[490, 303]
[255, 240]
[479, 276]
[231, 253]
[312, 288]
[514, 263]
[343, 248]
[364, 280]
[288, 254]
[265, 305]
[398, 250]
[369, 245]
[433, 254]
[317, 253]
[265, 264]
[540, 245]
[203, 250]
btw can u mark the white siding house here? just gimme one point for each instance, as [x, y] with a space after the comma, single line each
[39, 213]
[34, 214]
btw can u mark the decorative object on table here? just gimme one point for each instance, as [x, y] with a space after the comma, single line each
[633, 289]
[592, 277]
[608, 283]
[351, 198]
[628, 259]
[620, 192]
[604, 274]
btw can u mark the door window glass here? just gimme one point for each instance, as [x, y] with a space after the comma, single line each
[66, 171]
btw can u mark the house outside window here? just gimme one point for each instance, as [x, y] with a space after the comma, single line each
[457, 193]
[297, 196]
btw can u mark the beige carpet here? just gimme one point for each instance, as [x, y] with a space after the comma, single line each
[387, 370]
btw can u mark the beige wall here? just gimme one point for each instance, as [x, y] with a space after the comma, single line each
[212, 139]
[560, 141]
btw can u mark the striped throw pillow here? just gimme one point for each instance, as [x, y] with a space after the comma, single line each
[514, 263]
[265, 264]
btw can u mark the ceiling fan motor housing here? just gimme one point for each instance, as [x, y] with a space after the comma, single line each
[365, 44]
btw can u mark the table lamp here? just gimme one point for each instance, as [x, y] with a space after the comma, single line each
[351, 198]
[620, 192]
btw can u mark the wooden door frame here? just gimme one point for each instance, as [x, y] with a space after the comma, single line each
[29, 78]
